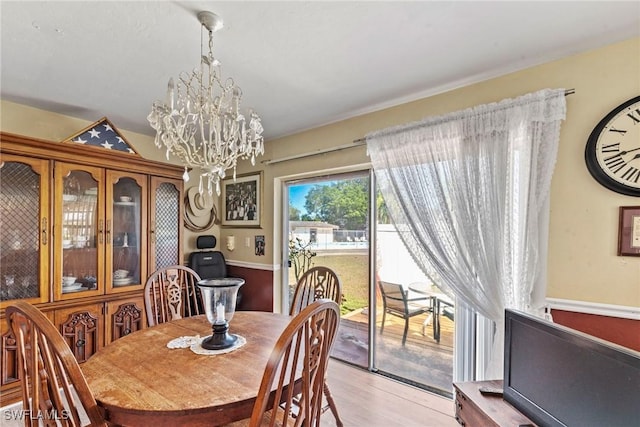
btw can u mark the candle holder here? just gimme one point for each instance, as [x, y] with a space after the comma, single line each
[219, 298]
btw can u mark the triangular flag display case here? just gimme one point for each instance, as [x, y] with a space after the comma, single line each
[102, 134]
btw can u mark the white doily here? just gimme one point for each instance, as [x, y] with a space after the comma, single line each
[183, 342]
[197, 347]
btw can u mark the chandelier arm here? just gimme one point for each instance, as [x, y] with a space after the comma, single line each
[179, 145]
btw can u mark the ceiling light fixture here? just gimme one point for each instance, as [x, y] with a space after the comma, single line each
[200, 121]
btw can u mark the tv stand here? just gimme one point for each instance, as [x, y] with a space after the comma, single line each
[476, 409]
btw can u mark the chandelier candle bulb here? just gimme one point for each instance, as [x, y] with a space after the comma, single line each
[200, 120]
[170, 93]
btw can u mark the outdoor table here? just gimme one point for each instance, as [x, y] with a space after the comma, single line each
[138, 380]
[437, 299]
[425, 289]
[441, 299]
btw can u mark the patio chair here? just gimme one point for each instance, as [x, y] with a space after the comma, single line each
[171, 293]
[449, 313]
[395, 301]
[54, 390]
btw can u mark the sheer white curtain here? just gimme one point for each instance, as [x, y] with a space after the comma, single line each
[468, 193]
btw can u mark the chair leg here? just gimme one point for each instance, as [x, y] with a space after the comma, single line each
[332, 405]
[426, 322]
[406, 329]
[384, 315]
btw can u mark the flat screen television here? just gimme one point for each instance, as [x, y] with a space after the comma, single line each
[558, 376]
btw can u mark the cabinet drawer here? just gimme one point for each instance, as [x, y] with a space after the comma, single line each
[475, 409]
[469, 415]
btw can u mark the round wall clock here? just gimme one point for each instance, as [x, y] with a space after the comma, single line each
[612, 153]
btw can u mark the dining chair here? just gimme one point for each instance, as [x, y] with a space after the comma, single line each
[171, 293]
[395, 301]
[316, 283]
[301, 353]
[54, 390]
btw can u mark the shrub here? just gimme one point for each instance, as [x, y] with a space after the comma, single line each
[300, 256]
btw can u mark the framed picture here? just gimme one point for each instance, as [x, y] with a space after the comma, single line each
[629, 231]
[242, 201]
[260, 245]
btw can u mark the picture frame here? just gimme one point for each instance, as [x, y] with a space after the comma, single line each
[259, 245]
[242, 201]
[629, 231]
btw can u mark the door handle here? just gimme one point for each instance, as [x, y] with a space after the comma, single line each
[44, 231]
[100, 231]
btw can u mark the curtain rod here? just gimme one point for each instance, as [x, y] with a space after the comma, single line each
[314, 153]
[355, 143]
[360, 141]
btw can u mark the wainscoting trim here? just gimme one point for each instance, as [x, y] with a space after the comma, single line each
[253, 265]
[621, 311]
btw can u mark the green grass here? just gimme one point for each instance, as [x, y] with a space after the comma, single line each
[353, 271]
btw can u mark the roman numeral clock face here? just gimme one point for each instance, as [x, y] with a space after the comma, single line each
[612, 153]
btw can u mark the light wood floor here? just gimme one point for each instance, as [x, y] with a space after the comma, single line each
[364, 399]
[372, 400]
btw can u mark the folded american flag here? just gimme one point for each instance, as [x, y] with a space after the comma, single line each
[102, 134]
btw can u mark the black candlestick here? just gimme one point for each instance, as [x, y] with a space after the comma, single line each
[220, 339]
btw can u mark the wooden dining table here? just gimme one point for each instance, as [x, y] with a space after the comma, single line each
[139, 381]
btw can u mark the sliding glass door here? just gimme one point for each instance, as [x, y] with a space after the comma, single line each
[328, 225]
[414, 320]
[338, 221]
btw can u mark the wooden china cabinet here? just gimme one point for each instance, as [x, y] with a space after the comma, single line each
[81, 228]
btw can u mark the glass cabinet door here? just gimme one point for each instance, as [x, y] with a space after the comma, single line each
[24, 229]
[79, 230]
[126, 231]
[165, 228]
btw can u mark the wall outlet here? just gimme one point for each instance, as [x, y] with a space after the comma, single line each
[247, 242]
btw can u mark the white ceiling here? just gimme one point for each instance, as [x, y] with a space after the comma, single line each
[300, 64]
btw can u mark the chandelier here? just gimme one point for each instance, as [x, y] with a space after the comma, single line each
[200, 120]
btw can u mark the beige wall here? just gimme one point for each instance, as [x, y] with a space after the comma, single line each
[583, 264]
